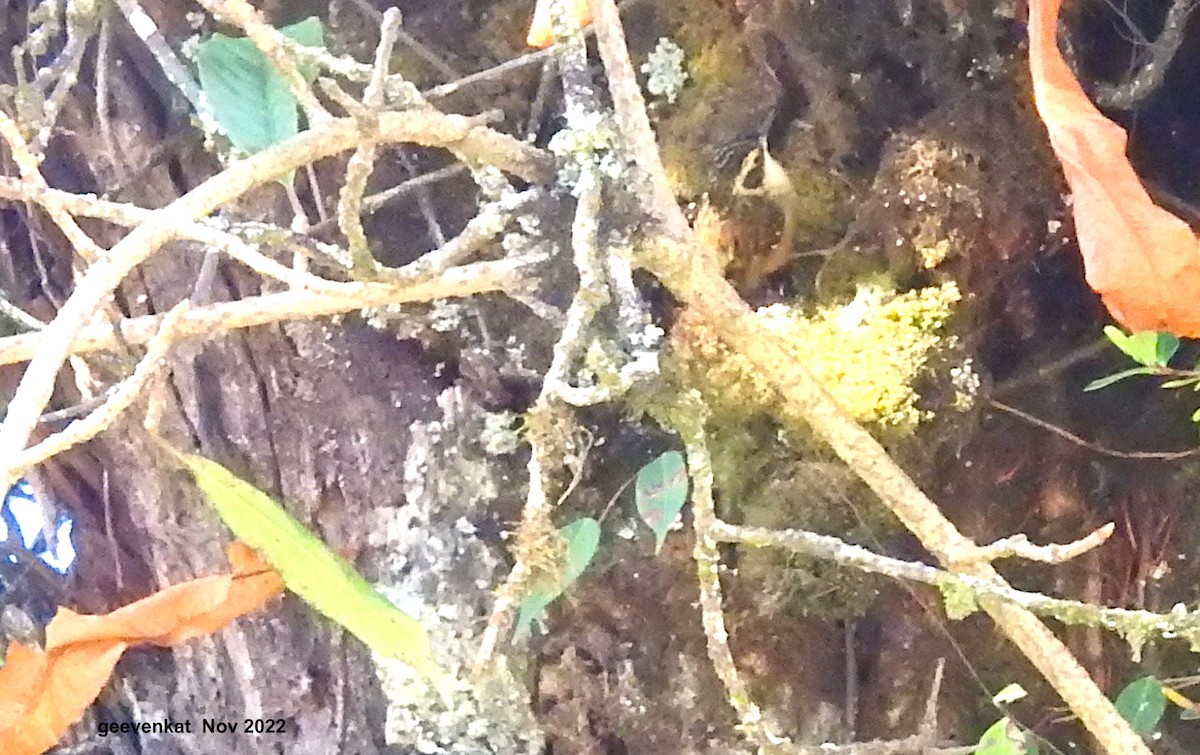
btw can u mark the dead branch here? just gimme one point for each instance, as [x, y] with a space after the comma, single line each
[459, 134]
[466, 280]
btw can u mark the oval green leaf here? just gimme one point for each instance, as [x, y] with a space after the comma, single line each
[1142, 704]
[660, 492]
[248, 98]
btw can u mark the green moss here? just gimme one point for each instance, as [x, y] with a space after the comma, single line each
[762, 484]
[868, 353]
[959, 599]
[717, 59]
[718, 104]
[819, 204]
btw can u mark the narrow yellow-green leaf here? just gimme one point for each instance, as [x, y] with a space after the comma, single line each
[319, 576]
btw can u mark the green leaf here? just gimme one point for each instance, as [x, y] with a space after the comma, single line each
[660, 492]
[316, 574]
[1142, 703]
[582, 538]
[1002, 738]
[248, 98]
[1165, 347]
[1104, 382]
[1150, 348]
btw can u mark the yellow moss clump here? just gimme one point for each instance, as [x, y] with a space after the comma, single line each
[868, 353]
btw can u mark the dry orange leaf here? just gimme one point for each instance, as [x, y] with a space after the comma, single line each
[540, 32]
[44, 692]
[1142, 260]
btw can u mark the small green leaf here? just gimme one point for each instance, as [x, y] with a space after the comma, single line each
[1002, 738]
[1142, 703]
[1104, 382]
[1117, 337]
[1150, 348]
[582, 538]
[1166, 346]
[660, 492]
[312, 571]
[1196, 416]
[248, 97]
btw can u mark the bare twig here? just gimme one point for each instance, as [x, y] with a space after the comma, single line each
[93, 424]
[399, 90]
[475, 143]
[426, 54]
[487, 224]
[505, 68]
[31, 176]
[362, 162]
[1053, 367]
[103, 64]
[109, 533]
[467, 280]
[929, 725]
[1072, 437]
[18, 315]
[1054, 553]
[259, 262]
[689, 423]
[1135, 625]
[424, 199]
[176, 72]
[82, 18]
[375, 201]
[78, 410]
[549, 411]
[205, 232]
[538, 108]
[1153, 69]
[693, 274]
[516, 64]
[630, 109]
